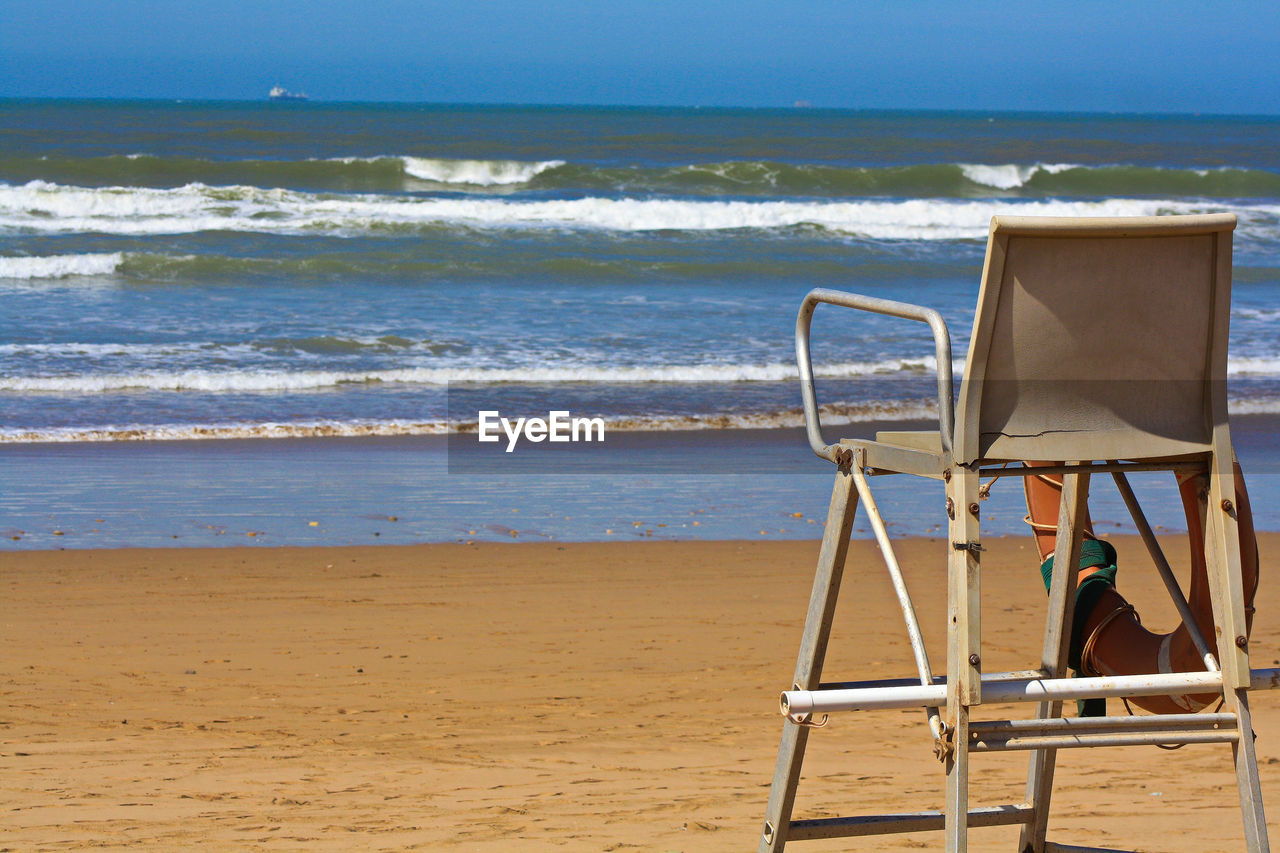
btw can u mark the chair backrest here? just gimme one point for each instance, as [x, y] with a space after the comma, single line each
[1098, 339]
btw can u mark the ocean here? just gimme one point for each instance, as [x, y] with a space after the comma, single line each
[286, 278]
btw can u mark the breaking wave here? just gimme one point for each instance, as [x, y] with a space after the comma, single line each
[59, 266]
[358, 174]
[404, 172]
[1009, 176]
[479, 173]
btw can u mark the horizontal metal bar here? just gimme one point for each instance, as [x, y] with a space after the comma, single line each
[987, 678]
[1050, 847]
[887, 824]
[799, 704]
[901, 460]
[1260, 680]
[1264, 679]
[892, 459]
[998, 743]
[1080, 725]
[1100, 467]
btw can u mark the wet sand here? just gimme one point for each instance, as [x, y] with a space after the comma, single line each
[602, 696]
[735, 484]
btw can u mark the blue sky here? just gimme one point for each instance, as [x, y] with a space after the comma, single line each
[1093, 56]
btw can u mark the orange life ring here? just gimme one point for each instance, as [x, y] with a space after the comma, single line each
[1114, 642]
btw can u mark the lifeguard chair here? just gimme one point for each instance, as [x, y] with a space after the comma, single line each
[1101, 342]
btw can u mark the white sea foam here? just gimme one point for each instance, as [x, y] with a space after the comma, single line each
[833, 414]
[476, 173]
[131, 352]
[265, 380]
[1009, 175]
[1253, 366]
[479, 173]
[43, 207]
[1004, 177]
[223, 381]
[59, 266]
[295, 348]
[281, 381]
[1254, 406]
[1256, 313]
[203, 381]
[191, 432]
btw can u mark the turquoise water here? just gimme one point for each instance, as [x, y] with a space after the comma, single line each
[176, 270]
[201, 271]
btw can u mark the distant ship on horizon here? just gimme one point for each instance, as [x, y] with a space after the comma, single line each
[279, 93]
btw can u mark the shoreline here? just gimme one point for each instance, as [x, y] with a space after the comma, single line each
[1254, 427]
[521, 695]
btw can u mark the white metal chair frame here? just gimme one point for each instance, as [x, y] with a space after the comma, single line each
[958, 454]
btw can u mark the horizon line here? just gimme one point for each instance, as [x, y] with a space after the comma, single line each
[799, 107]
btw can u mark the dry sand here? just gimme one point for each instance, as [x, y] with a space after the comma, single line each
[522, 697]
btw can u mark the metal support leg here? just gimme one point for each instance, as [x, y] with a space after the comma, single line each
[1057, 643]
[964, 646]
[813, 650]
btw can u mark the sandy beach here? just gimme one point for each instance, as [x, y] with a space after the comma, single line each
[522, 697]
[400, 437]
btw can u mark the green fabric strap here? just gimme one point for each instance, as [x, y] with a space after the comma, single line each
[1094, 553]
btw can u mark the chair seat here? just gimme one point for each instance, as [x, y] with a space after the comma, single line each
[929, 441]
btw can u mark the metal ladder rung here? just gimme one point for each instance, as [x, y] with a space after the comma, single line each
[1071, 732]
[886, 824]
[1071, 741]
[1094, 725]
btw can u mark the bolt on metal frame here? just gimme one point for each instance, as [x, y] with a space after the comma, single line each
[1006, 416]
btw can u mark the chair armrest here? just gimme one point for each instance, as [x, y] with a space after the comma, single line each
[906, 311]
